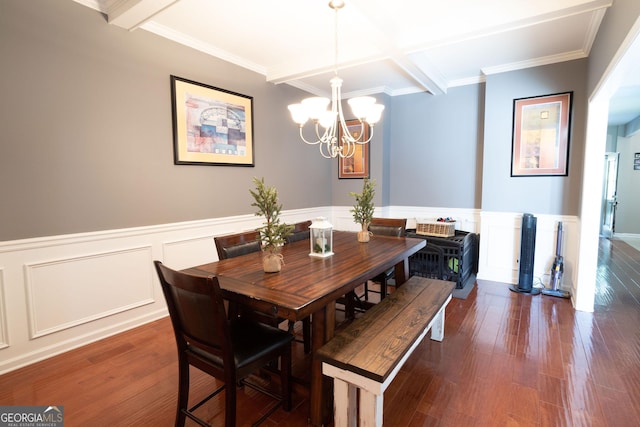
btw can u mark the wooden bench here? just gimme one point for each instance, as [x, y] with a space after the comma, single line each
[367, 354]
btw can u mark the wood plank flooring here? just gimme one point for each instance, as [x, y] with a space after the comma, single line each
[507, 360]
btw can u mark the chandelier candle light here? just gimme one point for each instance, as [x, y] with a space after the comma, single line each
[364, 109]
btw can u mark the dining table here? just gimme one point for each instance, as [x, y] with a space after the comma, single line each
[310, 286]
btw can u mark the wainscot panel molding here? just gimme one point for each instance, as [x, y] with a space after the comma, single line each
[500, 247]
[68, 292]
[3, 313]
[61, 292]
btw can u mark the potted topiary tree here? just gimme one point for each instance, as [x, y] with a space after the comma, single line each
[363, 208]
[273, 233]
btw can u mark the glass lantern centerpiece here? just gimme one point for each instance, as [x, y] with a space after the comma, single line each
[321, 238]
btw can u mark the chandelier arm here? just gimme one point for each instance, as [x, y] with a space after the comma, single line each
[343, 124]
[326, 136]
[350, 149]
[330, 134]
[325, 147]
[359, 141]
[305, 140]
[350, 136]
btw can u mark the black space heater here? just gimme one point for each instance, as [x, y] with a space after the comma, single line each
[527, 256]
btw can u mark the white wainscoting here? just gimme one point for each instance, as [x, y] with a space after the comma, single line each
[3, 312]
[58, 293]
[500, 247]
[466, 219]
[61, 292]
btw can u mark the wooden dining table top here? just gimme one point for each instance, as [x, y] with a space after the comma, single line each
[307, 283]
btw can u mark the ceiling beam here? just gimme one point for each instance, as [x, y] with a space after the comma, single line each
[427, 77]
[131, 14]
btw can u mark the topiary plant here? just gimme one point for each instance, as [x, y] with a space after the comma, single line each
[363, 208]
[273, 233]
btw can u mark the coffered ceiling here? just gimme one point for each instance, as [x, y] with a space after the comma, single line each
[394, 47]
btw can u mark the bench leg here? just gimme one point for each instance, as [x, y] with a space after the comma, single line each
[370, 409]
[345, 398]
[437, 329]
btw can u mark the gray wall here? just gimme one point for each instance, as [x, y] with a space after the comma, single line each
[87, 135]
[542, 195]
[436, 149]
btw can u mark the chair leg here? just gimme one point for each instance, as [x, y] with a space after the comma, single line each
[383, 288]
[230, 404]
[366, 290]
[183, 392]
[285, 378]
[350, 305]
[306, 335]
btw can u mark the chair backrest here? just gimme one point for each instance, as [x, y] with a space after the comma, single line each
[197, 312]
[388, 226]
[233, 245]
[300, 231]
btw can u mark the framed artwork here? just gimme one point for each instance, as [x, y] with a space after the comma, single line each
[541, 127]
[356, 166]
[211, 126]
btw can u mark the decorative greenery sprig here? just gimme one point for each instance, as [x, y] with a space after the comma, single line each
[273, 233]
[363, 209]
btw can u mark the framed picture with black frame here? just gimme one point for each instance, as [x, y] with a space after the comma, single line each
[211, 126]
[541, 135]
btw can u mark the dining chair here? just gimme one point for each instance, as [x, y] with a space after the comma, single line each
[234, 245]
[300, 232]
[229, 349]
[395, 227]
[353, 301]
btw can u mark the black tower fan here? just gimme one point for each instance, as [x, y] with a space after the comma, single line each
[527, 256]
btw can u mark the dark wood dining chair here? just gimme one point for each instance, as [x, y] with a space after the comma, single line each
[300, 232]
[229, 349]
[360, 302]
[395, 227]
[234, 245]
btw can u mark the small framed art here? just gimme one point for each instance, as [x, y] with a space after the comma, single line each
[356, 166]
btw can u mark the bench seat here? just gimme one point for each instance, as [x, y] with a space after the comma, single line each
[368, 354]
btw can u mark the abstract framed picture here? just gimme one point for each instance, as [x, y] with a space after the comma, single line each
[356, 166]
[541, 133]
[211, 126]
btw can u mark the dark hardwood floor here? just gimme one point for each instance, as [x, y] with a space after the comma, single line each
[507, 360]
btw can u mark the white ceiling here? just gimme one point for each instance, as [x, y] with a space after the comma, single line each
[394, 47]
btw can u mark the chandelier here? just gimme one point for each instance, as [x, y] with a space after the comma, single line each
[336, 140]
